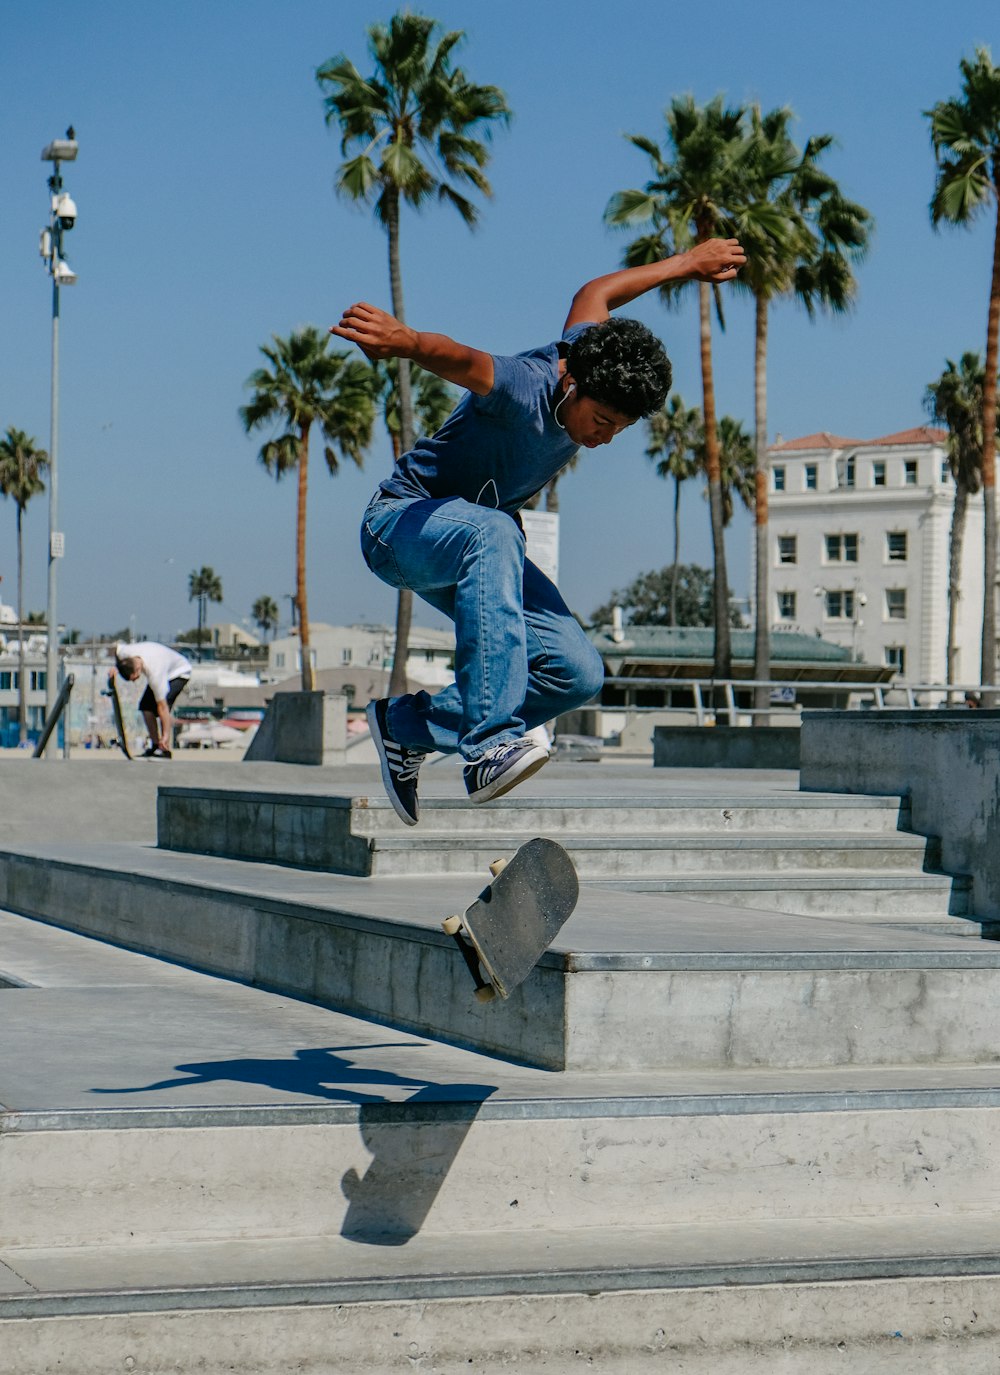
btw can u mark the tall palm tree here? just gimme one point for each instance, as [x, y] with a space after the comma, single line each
[22, 463]
[265, 614]
[955, 400]
[204, 586]
[415, 129]
[696, 191]
[737, 467]
[965, 132]
[802, 238]
[673, 436]
[308, 383]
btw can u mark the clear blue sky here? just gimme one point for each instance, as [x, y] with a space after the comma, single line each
[208, 221]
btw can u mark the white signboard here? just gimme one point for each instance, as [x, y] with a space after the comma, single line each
[541, 529]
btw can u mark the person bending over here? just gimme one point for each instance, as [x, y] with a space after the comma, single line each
[166, 673]
[445, 523]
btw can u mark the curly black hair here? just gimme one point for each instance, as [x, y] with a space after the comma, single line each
[622, 364]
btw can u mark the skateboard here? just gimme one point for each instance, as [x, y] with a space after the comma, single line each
[116, 708]
[515, 919]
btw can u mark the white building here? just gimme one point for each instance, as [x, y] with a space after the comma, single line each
[429, 661]
[859, 547]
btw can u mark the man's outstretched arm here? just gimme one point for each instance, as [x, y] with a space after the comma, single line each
[380, 335]
[715, 260]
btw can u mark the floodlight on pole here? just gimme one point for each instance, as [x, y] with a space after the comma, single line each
[62, 218]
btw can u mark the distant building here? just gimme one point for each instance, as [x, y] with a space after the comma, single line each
[859, 537]
[430, 661]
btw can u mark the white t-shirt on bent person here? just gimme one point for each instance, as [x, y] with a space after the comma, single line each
[161, 662]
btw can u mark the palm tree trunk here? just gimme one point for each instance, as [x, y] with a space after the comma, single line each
[677, 550]
[22, 705]
[723, 660]
[404, 601]
[308, 680]
[762, 597]
[954, 576]
[988, 671]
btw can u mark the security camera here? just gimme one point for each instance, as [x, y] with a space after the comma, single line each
[63, 273]
[862, 599]
[65, 207]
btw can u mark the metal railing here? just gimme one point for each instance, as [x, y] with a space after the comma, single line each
[785, 694]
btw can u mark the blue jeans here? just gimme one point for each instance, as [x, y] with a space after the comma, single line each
[520, 657]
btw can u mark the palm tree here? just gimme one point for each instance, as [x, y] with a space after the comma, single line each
[802, 237]
[265, 614]
[955, 399]
[674, 435]
[738, 467]
[22, 463]
[204, 586]
[696, 192]
[307, 383]
[966, 136]
[418, 126]
[433, 399]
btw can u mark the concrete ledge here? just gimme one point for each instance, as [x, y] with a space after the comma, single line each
[946, 762]
[726, 747]
[302, 728]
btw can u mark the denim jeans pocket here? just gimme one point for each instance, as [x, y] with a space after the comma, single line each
[377, 553]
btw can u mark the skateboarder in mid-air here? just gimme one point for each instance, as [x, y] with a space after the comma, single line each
[167, 674]
[445, 524]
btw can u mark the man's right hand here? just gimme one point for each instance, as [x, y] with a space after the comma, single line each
[376, 333]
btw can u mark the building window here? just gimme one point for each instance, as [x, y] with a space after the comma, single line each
[845, 472]
[910, 473]
[895, 603]
[786, 606]
[895, 546]
[279, 660]
[346, 655]
[945, 471]
[810, 477]
[374, 656]
[788, 549]
[779, 479]
[36, 682]
[840, 606]
[895, 657]
[7, 681]
[841, 548]
[878, 474]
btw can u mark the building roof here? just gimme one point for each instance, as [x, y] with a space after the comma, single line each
[823, 439]
[920, 434]
[687, 651]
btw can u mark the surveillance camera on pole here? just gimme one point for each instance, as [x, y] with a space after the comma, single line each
[64, 208]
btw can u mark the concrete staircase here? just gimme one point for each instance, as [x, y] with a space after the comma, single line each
[772, 1144]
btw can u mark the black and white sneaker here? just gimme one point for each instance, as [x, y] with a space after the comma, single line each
[400, 765]
[502, 768]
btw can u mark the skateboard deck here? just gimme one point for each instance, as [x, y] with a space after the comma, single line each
[116, 708]
[515, 919]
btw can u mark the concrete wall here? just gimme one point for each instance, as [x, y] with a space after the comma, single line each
[302, 728]
[726, 747]
[946, 762]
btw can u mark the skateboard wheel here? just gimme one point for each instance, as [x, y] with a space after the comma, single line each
[451, 926]
[498, 866]
[485, 995]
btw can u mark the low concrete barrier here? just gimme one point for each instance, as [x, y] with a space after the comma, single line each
[726, 747]
[946, 762]
[302, 728]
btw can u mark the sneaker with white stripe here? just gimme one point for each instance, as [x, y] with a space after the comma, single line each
[400, 765]
[503, 767]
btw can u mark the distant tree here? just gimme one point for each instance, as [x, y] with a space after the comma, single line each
[35, 618]
[265, 614]
[434, 399]
[420, 128]
[204, 586]
[22, 463]
[965, 133]
[674, 436]
[955, 399]
[647, 600]
[307, 383]
[737, 466]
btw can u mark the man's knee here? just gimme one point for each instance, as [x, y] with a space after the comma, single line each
[589, 674]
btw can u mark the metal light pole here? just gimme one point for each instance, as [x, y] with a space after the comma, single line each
[62, 216]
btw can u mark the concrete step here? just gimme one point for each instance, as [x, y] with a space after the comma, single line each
[634, 981]
[354, 835]
[379, 1173]
[730, 1299]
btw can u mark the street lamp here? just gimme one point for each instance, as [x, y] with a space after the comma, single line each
[62, 217]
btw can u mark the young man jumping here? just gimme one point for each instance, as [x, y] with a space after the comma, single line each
[445, 523]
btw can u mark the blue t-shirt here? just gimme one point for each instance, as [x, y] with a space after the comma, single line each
[495, 450]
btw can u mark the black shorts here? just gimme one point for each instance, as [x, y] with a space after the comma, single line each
[147, 702]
